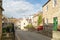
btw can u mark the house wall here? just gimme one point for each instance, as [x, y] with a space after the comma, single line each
[35, 19]
[18, 24]
[24, 23]
[53, 11]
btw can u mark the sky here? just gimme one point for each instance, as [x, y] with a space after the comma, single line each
[22, 8]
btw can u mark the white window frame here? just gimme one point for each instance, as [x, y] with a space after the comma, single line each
[54, 3]
[46, 7]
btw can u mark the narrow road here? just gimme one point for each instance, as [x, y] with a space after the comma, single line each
[25, 35]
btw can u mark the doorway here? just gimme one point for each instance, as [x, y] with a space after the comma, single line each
[55, 23]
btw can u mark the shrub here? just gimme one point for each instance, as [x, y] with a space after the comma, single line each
[29, 26]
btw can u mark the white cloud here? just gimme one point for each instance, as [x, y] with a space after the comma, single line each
[19, 7]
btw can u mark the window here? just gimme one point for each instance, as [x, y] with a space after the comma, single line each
[47, 8]
[24, 23]
[46, 21]
[54, 3]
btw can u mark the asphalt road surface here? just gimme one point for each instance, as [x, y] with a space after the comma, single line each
[25, 35]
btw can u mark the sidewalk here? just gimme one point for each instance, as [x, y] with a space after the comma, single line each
[45, 33]
[56, 35]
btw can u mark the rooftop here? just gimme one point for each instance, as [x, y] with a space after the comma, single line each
[46, 3]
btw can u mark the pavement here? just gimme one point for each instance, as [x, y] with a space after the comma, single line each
[26, 35]
[45, 33]
[56, 35]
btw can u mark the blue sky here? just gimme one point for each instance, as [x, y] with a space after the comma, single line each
[19, 8]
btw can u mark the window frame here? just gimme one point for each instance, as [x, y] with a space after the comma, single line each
[54, 3]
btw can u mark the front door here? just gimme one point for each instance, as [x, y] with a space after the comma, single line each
[55, 23]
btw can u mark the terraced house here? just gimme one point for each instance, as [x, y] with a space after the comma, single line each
[51, 13]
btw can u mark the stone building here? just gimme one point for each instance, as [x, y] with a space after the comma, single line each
[1, 9]
[51, 11]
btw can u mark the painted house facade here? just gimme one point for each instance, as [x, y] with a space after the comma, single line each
[51, 10]
[21, 23]
[24, 23]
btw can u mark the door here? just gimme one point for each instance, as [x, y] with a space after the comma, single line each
[55, 23]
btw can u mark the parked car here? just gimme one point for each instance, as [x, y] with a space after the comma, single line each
[39, 28]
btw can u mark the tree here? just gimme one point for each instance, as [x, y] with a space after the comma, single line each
[39, 19]
[9, 28]
[30, 27]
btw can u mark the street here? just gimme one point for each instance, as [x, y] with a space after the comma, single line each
[25, 35]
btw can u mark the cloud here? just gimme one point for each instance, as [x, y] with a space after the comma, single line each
[20, 7]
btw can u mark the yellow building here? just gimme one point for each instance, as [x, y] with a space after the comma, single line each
[51, 10]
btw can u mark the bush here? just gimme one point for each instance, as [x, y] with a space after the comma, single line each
[4, 30]
[30, 27]
[10, 26]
